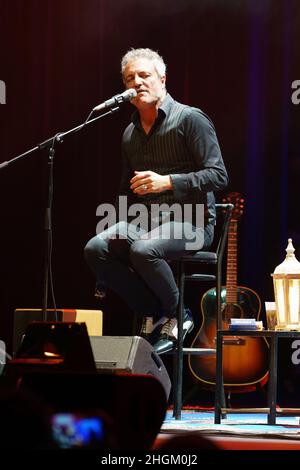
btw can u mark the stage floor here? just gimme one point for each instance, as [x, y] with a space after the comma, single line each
[236, 432]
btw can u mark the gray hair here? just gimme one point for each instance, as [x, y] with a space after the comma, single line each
[149, 54]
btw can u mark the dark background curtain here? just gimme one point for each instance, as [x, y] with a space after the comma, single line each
[234, 59]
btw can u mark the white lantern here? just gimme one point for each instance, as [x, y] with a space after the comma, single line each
[286, 279]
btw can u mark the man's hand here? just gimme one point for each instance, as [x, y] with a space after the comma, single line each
[145, 182]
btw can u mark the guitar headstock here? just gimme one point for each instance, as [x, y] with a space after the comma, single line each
[238, 201]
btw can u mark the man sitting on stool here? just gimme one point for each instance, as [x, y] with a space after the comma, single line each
[171, 156]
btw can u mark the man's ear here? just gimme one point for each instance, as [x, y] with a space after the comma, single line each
[163, 80]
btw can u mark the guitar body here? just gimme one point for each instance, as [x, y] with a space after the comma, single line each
[245, 359]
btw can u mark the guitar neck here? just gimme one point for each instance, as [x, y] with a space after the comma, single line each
[231, 274]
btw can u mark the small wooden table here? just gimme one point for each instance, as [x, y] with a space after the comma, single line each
[271, 410]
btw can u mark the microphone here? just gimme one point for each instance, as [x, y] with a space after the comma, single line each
[116, 100]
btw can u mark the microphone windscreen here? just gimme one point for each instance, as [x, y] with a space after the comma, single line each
[131, 93]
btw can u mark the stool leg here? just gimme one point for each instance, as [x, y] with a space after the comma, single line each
[219, 378]
[218, 297]
[178, 365]
[221, 400]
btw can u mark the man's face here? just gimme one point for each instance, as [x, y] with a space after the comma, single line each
[141, 75]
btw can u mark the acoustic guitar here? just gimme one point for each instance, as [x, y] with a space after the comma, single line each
[245, 359]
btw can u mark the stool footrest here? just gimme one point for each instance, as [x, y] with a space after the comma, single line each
[200, 277]
[197, 351]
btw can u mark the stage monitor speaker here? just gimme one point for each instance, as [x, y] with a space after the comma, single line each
[52, 346]
[129, 354]
[23, 317]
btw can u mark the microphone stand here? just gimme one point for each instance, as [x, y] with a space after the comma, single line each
[49, 145]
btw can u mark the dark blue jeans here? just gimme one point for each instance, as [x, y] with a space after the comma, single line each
[134, 263]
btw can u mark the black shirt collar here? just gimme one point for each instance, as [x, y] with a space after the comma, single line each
[163, 111]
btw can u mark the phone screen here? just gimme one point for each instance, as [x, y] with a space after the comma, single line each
[75, 430]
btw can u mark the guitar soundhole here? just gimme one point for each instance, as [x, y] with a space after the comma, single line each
[232, 311]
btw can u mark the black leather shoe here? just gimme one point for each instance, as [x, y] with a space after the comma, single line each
[150, 328]
[167, 337]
